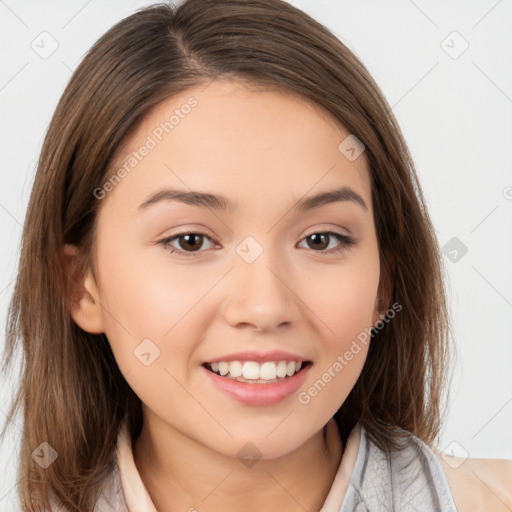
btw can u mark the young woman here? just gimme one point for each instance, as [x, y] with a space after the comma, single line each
[230, 292]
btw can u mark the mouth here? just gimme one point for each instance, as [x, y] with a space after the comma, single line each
[252, 383]
[253, 372]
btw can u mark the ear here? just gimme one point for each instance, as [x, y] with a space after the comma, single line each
[82, 292]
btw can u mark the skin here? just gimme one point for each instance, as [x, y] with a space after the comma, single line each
[264, 150]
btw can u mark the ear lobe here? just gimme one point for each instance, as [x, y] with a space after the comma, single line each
[82, 293]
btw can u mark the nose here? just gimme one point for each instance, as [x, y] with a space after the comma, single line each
[260, 295]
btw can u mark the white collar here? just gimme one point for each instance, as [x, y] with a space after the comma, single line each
[137, 498]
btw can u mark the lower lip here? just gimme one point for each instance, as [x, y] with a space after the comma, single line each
[258, 394]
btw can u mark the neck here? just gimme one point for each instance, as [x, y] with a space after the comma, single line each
[180, 474]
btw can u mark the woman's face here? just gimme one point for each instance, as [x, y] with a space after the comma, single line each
[259, 275]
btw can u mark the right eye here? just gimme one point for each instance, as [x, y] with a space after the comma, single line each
[193, 240]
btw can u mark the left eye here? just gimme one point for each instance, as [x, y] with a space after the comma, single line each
[193, 240]
[318, 240]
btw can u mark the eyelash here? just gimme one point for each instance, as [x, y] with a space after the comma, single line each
[346, 242]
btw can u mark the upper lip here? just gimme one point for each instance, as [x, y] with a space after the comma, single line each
[259, 357]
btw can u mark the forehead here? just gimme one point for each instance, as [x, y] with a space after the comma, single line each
[251, 145]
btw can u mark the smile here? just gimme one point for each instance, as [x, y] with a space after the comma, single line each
[255, 390]
[254, 372]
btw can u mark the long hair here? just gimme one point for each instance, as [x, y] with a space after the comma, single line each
[72, 393]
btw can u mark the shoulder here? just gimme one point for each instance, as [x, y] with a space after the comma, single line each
[109, 498]
[397, 476]
[478, 484]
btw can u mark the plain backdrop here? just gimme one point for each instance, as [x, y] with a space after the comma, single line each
[444, 68]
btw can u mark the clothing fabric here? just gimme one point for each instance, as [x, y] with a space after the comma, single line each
[407, 480]
[367, 480]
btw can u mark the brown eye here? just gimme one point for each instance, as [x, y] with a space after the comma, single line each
[188, 243]
[191, 242]
[321, 240]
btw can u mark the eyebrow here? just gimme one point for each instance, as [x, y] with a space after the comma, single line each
[219, 202]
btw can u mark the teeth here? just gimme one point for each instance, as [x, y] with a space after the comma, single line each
[281, 369]
[267, 371]
[235, 369]
[223, 368]
[251, 370]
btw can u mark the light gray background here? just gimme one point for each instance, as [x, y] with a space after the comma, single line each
[454, 112]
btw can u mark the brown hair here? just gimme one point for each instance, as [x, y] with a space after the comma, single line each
[72, 392]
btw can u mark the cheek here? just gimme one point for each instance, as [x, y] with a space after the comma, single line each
[343, 301]
[156, 301]
[345, 319]
[343, 298]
